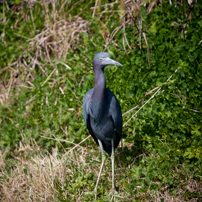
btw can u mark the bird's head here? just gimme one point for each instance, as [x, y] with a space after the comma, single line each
[101, 60]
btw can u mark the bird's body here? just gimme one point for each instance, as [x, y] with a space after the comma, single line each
[102, 113]
[105, 121]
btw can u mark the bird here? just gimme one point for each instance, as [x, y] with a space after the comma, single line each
[102, 114]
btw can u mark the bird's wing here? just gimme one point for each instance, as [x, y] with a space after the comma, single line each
[115, 112]
[86, 105]
[86, 113]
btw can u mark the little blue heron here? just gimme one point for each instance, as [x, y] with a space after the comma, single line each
[102, 113]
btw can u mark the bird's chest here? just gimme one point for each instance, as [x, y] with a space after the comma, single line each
[99, 108]
[103, 126]
[100, 117]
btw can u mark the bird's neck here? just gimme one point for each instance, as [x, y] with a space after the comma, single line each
[99, 97]
[99, 85]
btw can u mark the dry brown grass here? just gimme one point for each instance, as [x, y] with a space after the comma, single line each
[36, 178]
[61, 31]
[39, 177]
[191, 186]
[57, 38]
[48, 47]
[60, 35]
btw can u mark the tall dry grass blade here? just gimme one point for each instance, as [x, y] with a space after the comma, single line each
[140, 32]
[95, 7]
[147, 45]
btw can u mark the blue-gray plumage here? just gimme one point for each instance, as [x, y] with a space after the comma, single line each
[102, 113]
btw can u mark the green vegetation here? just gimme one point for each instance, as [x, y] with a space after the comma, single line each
[42, 157]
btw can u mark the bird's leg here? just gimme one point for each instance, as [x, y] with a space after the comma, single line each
[112, 158]
[103, 161]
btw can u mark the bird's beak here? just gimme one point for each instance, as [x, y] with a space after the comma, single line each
[109, 61]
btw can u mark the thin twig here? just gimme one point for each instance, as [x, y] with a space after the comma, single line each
[10, 84]
[195, 111]
[124, 45]
[140, 33]
[130, 110]
[151, 91]
[83, 9]
[113, 11]
[7, 67]
[95, 7]
[72, 7]
[124, 36]
[75, 95]
[59, 143]
[149, 98]
[56, 139]
[105, 5]
[114, 32]
[78, 144]
[30, 100]
[61, 90]
[148, 52]
[48, 77]
[30, 189]
[32, 20]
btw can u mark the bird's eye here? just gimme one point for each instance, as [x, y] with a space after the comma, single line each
[101, 59]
